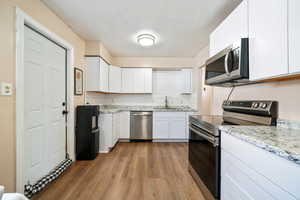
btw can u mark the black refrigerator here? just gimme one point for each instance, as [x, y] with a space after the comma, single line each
[87, 132]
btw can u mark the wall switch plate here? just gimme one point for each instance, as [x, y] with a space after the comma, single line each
[6, 89]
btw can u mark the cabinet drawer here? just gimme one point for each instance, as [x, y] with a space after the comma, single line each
[280, 171]
[238, 181]
[168, 115]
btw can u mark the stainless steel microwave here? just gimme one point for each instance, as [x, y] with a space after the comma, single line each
[230, 66]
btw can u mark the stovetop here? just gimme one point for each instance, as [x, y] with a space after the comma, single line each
[211, 123]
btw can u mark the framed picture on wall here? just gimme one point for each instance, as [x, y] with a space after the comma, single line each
[78, 81]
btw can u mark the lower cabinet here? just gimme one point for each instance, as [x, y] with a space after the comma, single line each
[113, 126]
[251, 173]
[106, 130]
[124, 125]
[169, 125]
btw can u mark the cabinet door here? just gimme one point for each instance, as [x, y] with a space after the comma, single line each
[127, 80]
[177, 129]
[294, 36]
[114, 79]
[232, 29]
[161, 129]
[187, 86]
[268, 48]
[139, 80]
[124, 125]
[148, 80]
[93, 74]
[106, 132]
[104, 71]
[116, 128]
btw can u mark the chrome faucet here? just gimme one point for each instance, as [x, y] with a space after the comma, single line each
[166, 102]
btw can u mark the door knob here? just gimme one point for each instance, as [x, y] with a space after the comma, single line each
[65, 112]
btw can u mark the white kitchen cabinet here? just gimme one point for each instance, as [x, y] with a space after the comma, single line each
[112, 127]
[106, 130]
[137, 80]
[294, 39]
[160, 129]
[96, 75]
[115, 79]
[177, 128]
[127, 80]
[125, 125]
[169, 125]
[104, 75]
[148, 80]
[249, 172]
[187, 81]
[232, 29]
[116, 128]
[268, 38]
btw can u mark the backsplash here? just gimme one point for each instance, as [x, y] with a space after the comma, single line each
[142, 99]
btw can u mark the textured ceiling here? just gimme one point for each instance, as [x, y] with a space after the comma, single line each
[182, 26]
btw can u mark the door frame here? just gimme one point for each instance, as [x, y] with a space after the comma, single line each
[21, 19]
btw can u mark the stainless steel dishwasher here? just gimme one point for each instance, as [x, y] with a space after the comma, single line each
[140, 125]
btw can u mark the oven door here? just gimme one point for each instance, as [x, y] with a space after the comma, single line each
[204, 157]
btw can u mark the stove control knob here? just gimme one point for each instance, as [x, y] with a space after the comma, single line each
[263, 105]
[255, 105]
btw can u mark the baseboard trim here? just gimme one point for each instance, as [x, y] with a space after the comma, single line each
[103, 151]
[124, 140]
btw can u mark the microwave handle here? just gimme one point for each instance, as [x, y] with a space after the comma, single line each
[226, 63]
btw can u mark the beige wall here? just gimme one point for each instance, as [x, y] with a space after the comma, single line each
[155, 62]
[97, 48]
[205, 93]
[286, 93]
[43, 15]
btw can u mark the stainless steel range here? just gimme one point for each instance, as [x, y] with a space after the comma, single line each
[204, 137]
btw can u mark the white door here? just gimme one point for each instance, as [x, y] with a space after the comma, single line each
[44, 95]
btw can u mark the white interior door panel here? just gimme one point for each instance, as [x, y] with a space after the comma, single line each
[44, 94]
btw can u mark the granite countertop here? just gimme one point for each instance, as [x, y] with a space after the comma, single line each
[283, 140]
[119, 108]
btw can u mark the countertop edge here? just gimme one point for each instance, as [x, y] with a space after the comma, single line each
[262, 145]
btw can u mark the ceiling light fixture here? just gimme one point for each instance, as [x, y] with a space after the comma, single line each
[146, 40]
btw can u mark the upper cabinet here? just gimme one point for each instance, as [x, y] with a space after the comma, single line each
[97, 74]
[233, 28]
[187, 79]
[273, 29]
[294, 36]
[136, 80]
[127, 80]
[148, 80]
[104, 71]
[115, 79]
[268, 38]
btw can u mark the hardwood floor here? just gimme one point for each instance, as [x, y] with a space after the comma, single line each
[132, 171]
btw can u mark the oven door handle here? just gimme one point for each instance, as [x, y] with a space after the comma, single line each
[210, 139]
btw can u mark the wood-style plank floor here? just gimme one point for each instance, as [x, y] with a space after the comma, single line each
[132, 171]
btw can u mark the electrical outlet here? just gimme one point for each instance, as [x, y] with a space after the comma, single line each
[6, 89]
